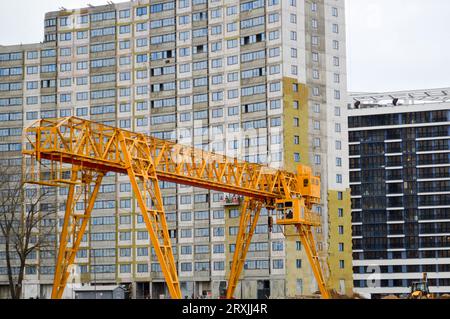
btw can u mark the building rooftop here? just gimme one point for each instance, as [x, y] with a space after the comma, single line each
[396, 98]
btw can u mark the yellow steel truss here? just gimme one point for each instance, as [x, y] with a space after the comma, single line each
[74, 226]
[307, 241]
[249, 219]
[88, 150]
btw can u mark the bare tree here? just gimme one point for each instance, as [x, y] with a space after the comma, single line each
[22, 224]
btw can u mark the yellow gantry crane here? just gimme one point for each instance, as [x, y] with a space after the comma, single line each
[78, 153]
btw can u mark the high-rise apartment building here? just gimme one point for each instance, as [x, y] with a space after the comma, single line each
[399, 147]
[263, 80]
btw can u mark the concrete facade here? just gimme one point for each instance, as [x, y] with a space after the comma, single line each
[264, 81]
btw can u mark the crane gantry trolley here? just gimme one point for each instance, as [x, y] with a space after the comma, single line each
[78, 153]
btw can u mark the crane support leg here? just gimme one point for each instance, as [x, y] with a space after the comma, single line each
[249, 219]
[309, 244]
[145, 186]
[74, 225]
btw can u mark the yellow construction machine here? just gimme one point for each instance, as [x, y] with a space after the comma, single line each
[420, 289]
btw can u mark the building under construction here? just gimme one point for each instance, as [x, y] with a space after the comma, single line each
[262, 82]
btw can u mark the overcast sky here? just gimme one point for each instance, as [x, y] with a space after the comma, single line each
[391, 44]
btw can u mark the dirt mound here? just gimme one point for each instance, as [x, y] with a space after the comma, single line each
[390, 297]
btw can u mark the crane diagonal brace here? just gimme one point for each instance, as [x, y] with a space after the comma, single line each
[308, 242]
[74, 227]
[247, 224]
[149, 198]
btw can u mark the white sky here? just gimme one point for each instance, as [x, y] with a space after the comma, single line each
[391, 44]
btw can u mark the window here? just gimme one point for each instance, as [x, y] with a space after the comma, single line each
[63, 22]
[278, 264]
[124, 236]
[201, 215]
[103, 16]
[216, 113]
[142, 235]
[274, 122]
[340, 212]
[142, 251]
[67, 97]
[341, 264]
[33, 85]
[201, 266]
[316, 74]
[202, 232]
[103, 32]
[317, 160]
[32, 55]
[293, 52]
[82, 65]
[124, 29]
[275, 104]
[218, 214]
[341, 230]
[31, 70]
[82, 35]
[337, 94]
[335, 28]
[124, 14]
[315, 40]
[186, 250]
[201, 198]
[251, 5]
[274, 17]
[124, 44]
[293, 35]
[316, 125]
[82, 111]
[82, 50]
[142, 268]
[231, 10]
[336, 44]
[65, 36]
[141, 11]
[277, 246]
[186, 233]
[32, 100]
[125, 268]
[275, 87]
[336, 61]
[274, 35]
[186, 267]
[231, 27]
[316, 142]
[65, 52]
